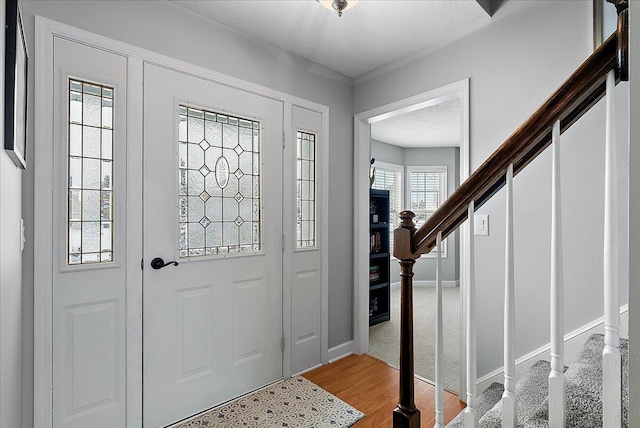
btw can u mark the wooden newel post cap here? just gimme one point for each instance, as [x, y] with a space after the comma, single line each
[407, 220]
[621, 5]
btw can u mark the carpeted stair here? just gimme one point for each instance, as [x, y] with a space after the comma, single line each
[584, 393]
[484, 403]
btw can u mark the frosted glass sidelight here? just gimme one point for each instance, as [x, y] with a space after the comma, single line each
[90, 205]
[218, 183]
[91, 142]
[91, 110]
[305, 190]
[90, 173]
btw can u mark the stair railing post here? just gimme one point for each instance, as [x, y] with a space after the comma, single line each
[471, 414]
[439, 337]
[406, 414]
[557, 386]
[611, 359]
[509, 406]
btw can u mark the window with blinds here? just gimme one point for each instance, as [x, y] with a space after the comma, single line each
[390, 177]
[427, 191]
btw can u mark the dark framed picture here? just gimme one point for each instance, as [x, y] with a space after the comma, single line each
[15, 86]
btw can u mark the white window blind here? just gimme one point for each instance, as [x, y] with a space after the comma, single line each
[427, 191]
[390, 177]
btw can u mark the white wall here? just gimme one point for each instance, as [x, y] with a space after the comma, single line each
[10, 275]
[171, 30]
[514, 65]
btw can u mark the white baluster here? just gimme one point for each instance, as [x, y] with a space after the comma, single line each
[509, 412]
[439, 337]
[471, 415]
[557, 388]
[611, 361]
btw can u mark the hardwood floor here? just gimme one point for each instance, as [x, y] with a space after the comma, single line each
[371, 386]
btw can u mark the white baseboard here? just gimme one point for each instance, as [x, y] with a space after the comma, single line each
[307, 370]
[573, 343]
[339, 352]
[396, 285]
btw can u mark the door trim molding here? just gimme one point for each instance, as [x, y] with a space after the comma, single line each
[362, 155]
[45, 31]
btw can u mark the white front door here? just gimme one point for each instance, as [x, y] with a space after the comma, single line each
[212, 324]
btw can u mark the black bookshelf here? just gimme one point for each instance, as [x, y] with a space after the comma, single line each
[379, 257]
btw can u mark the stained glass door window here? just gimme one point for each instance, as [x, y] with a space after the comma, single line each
[306, 190]
[90, 173]
[219, 183]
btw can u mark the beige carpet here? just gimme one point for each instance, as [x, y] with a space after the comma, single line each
[384, 338]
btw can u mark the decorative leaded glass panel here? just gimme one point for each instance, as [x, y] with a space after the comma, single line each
[90, 174]
[219, 183]
[306, 190]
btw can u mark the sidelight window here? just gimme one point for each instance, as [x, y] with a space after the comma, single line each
[90, 173]
[306, 190]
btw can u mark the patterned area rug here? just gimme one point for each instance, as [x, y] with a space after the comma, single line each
[294, 402]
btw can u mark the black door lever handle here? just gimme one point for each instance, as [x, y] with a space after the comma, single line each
[158, 263]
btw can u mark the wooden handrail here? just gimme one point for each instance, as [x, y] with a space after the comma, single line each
[575, 97]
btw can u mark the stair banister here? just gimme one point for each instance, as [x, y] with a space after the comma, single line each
[406, 414]
[509, 408]
[584, 88]
[439, 337]
[471, 415]
[557, 387]
[611, 359]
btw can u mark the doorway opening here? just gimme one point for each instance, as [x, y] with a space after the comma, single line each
[437, 153]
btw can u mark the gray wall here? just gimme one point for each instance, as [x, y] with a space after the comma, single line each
[514, 64]
[176, 32]
[424, 269]
[389, 153]
[634, 218]
[10, 276]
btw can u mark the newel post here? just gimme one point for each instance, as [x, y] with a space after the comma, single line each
[406, 415]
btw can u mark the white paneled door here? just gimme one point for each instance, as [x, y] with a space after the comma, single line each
[302, 265]
[212, 324]
[89, 210]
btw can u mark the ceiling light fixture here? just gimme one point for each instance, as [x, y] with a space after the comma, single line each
[338, 5]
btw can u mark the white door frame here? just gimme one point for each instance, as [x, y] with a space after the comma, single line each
[362, 155]
[45, 32]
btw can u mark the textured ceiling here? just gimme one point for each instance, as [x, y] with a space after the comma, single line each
[434, 126]
[371, 34]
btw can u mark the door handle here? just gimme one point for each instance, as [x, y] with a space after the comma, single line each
[158, 263]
